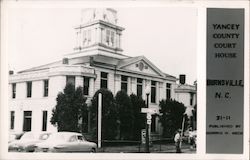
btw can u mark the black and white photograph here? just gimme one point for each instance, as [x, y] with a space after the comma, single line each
[127, 84]
[104, 79]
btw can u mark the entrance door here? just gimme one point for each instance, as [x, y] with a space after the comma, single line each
[27, 117]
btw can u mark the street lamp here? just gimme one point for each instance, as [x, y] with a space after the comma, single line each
[147, 91]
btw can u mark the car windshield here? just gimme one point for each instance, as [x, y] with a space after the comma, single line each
[35, 136]
[29, 136]
[58, 137]
[44, 136]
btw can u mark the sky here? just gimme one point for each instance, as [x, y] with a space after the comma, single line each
[164, 35]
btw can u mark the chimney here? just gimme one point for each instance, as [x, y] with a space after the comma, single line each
[65, 61]
[182, 78]
[11, 72]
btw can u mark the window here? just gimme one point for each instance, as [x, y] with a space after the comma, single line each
[112, 39]
[80, 138]
[12, 119]
[104, 80]
[124, 83]
[153, 123]
[153, 91]
[14, 90]
[168, 91]
[86, 86]
[44, 125]
[45, 88]
[86, 37]
[73, 139]
[71, 80]
[29, 89]
[89, 36]
[139, 87]
[108, 37]
[27, 115]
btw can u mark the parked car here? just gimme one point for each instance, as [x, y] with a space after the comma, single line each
[28, 141]
[15, 136]
[66, 142]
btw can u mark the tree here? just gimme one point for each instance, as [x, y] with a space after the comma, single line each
[126, 115]
[139, 118]
[70, 108]
[171, 116]
[109, 115]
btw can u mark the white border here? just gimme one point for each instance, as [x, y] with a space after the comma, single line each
[201, 77]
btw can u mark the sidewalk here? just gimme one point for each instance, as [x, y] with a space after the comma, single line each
[156, 148]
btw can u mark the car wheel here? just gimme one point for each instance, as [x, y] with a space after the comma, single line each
[93, 150]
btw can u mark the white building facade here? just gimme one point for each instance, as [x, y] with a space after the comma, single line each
[97, 62]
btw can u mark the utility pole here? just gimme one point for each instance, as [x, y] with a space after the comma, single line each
[99, 120]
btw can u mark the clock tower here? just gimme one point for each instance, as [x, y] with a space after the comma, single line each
[98, 33]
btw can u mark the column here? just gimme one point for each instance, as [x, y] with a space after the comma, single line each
[80, 38]
[146, 82]
[162, 92]
[157, 94]
[79, 81]
[97, 81]
[117, 83]
[101, 35]
[91, 87]
[111, 82]
[129, 86]
[98, 35]
[133, 85]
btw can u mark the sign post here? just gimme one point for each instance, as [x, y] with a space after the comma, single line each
[149, 112]
[143, 136]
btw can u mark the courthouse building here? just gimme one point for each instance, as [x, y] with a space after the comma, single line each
[97, 62]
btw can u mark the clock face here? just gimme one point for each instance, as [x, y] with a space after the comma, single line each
[141, 66]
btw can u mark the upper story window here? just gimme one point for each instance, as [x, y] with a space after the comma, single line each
[104, 80]
[168, 91]
[70, 80]
[124, 83]
[112, 38]
[139, 87]
[153, 91]
[86, 86]
[110, 35]
[46, 88]
[29, 89]
[86, 37]
[13, 90]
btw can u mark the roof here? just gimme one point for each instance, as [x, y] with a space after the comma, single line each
[45, 66]
[97, 59]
